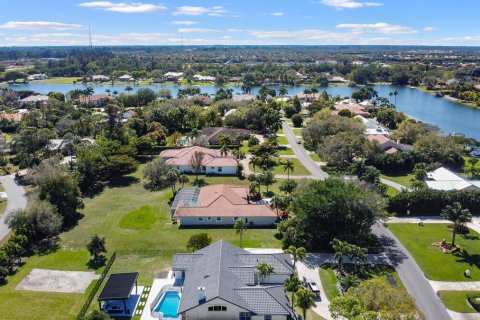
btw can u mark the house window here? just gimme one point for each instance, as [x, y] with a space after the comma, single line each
[245, 316]
[200, 218]
[219, 169]
[209, 218]
[213, 168]
[267, 317]
[204, 168]
[217, 308]
[235, 218]
[219, 218]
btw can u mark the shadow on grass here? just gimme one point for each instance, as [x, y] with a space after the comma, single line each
[97, 263]
[470, 259]
[48, 247]
[470, 237]
[122, 182]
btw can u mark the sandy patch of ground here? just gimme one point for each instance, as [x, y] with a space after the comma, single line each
[57, 281]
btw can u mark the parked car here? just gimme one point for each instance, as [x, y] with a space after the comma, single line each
[299, 142]
[312, 286]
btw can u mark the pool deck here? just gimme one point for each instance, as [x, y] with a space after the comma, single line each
[156, 287]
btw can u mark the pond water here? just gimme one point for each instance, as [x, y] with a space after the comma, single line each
[449, 116]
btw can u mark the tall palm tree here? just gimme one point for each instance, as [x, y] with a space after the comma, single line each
[183, 179]
[172, 177]
[305, 301]
[359, 254]
[457, 215]
[240, 227]
[224, 141]
[254, 189]
[196, 162]
[283, 91]
[255, 161]
[395, 93]
[288, 166]
[277, 203]
[292, 285]
[264, 270]
[341, 249]
[298, 254]
[390, 98]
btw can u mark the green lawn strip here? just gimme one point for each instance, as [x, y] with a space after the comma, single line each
[285, 152]
[468, 165]
[299, 169]
[391, 192]
[244, 147]
[404, 180]
[297, 131]
[329, 282]
[280, 131]
[435, 264]
[456, 301]
[282, 140]
[311, 315]
[315, 157]
[20, 304]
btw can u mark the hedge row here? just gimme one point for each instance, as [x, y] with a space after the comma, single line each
[432, 202]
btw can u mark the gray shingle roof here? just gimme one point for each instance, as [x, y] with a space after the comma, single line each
[228, 272]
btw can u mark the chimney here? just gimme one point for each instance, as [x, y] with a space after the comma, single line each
[201, 294]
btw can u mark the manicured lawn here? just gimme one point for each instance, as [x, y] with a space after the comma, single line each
[140, 219]
[297, 131]
[435, 264]
[282, 140]
[286, 151]
[18, 305]
[456, 301]
[62, 80]
[299, 169]
[311, 315]
[404, 180]
[391, 192]
[315, 157]
[329, 283]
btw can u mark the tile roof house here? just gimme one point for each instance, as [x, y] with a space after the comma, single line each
[352, 106]
[444, 179]
[213, 134]
[38, 100]
[220, 204]
[388, 145]
[221, 282]
[213, 161]
[96, 100]
[373, 127]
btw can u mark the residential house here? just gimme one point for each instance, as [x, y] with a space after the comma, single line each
[199, 77]
[220, 205]
[15, 116]
[352, 106]
[203, 100]
[128, 115]
[100, 78]
[213, 134]
[96, 100]
[372, 126]
[221, 281]
[213, 161]
[34, 101]
[244, 97]
[125, 78]
[172, 76]
[37, 76]
[56, 145]
[444, 179]
[337, 80]
[388, 145]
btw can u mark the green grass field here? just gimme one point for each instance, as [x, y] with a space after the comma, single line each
[299, 169]
[434, 263]
[286, 151]
[329, 282]
[297, 131]
[282, 140]
[315, 157]
[404, 180]
[456, 301]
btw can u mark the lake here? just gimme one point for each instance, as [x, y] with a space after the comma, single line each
[449, 116]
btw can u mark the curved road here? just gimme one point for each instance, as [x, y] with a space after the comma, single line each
[17, 199]
[408, 270]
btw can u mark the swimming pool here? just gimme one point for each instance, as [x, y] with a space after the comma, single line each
[168, 304]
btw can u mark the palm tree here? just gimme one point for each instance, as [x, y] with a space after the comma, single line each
[224, 141]
[457, 215]
[341, 249]
[390, 99]
[264, 270]
[395, 93]
[292, 285]
[283, 91]
[240, 227]
[298, 254]
[288, 166]
[305, 301]
[183, 179]
[253, 189]
[255, 161]
[239, 155]
[277, 203]
[88, 92]
[172, 177]
[196, 162]
[356, 254]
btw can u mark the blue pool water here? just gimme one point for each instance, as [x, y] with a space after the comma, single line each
[168, 304]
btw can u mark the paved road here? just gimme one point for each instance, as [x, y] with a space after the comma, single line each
[17, 199]
[302, 155]
[411, 275]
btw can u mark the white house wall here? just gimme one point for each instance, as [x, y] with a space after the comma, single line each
[201, 312]
[252, 221]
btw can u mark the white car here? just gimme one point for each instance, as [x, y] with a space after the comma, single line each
[312, 285]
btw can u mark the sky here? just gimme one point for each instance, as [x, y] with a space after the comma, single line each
[240, 22]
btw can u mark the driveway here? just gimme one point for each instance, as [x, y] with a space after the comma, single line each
[411, 275]
[302, 155]
[17, 199]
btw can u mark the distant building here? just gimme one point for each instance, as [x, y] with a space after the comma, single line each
[244, 97]
[213, 161]
[337, 80]
[96, 100]
[213, 134]
[373, 127]
[172, 76]
[125, 78]
[35, 101]
[444, 179]
[220, 204]
[353, 107]
[204, 100]
[100, 78]
[387, 145]
[199, 77]
[37, 76]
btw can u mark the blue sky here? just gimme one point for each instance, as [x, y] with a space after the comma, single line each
[313, 22]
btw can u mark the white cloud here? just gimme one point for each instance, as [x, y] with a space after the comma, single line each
[39, 25]
[349, 4]
[307, 34]
[429, 29]
[184, 23]
[123, 7]
[197, 30]
[215, 11]
[277, 14]
[381, 27]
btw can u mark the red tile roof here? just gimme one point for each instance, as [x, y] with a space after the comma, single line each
[213, 157]
[225, 201]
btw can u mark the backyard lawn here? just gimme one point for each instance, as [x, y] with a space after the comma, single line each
[329, 282]
[299, 169]
[435, 264]
[297, 131]
[404, 180]
[282, 140]
[285, 151]
[456, 301]
[315, 157]
[18, 304]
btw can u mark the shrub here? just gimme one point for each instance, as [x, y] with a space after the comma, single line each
[473, 299]
[297, 120]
